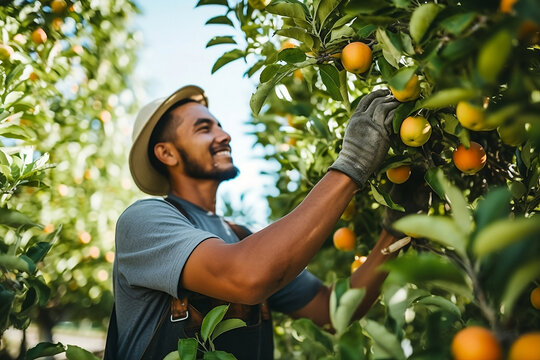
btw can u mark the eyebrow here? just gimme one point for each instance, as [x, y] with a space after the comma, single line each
[205, 121]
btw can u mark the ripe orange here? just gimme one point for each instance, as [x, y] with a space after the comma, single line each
[39, 36]
[399, 174]
[358, 261]
[506, 6]
[287, 45]
[415, 131]
[535, 298]
[475, 343]
[344, 239]
[356, 57]
[526, 347]
[410, 92]
[470, 160]
[58, 6]
[33, 76]
[57, 24]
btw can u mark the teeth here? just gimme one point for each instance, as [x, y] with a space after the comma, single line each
[224, 152]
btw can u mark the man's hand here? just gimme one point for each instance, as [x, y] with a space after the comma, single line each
[366, 139]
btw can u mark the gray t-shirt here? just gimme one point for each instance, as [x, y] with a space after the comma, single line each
[153, 242]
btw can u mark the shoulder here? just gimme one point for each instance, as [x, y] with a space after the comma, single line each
[146, 209]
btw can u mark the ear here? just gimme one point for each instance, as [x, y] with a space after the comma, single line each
[166, 153]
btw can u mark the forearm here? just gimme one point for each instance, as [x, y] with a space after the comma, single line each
[369, 276]
[300, 234]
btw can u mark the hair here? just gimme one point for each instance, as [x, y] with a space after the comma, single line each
[164, 131]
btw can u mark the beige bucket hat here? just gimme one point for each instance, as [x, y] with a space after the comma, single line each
[147, 178]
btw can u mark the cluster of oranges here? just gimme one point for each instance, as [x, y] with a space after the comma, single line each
[415, 131]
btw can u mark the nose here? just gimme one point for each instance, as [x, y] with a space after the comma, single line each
[222, 136]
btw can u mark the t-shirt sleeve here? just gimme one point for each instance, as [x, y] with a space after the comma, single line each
[153, 243]
[295, 294]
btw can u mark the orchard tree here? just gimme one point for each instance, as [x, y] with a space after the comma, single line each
[467, 132]
[65, 104]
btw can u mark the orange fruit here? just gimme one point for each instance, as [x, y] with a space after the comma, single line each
[415, 131]
[506, 6]
[535, 298]
[344, 239]
[84, 237]
[39, 36]
[469, 160]
[356, 57]
[471, 116]
[49, 228]
[410, 92]
[526, 347]
[58, 6]
[291, 141]
[57, 24]
[399, 174]
[357, 262]
[33, 76]
[287, 45]
[475, 343]
[297, 74]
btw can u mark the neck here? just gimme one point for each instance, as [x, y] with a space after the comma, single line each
[199, 192]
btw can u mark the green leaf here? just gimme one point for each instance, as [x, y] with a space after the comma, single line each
[44, 349]
[426, 269]
[330, 79]
[216, 40]
[38, 251]
[384, 199]
[226, 325]
[297, 33]
[421, 19]
[77, 353]
[15, 132]
[502, 233]
[269, 72]
[12, 262]
[15, 219]
[324, 9]
[387, 344]
[520, 280]
[307, 328]
[432, 179]
[289, 8]
[494, 206]
[440, 229]
[218, 355]
[292, 55]
[390, 53]
[401, 113]
[221, 20]
[386, 69]
[187, 348]
[173, 355]
[351, 343]
[448, 97]
[458, 23]
[439, 303]
[493, 55]
[211, 320]
[227, 58]
[14, 74]
[348, 303]
[458, 204]
[401, 77]
[212, 2]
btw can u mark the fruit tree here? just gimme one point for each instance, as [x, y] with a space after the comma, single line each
[468, 77]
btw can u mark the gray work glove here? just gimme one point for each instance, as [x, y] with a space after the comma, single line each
[366, 139]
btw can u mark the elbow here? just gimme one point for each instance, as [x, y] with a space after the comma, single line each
[255, 288]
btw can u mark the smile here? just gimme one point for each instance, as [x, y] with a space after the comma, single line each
[223, 153]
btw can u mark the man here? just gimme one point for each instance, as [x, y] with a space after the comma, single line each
[168, 248]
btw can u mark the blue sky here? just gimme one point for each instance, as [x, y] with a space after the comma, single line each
[174, 54]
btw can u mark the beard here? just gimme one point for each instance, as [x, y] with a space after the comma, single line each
[196, 171]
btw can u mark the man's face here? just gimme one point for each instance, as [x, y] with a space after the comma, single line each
[202, 144]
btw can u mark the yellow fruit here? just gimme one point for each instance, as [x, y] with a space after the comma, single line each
[399, 174]
[344, 239]
[58, 6]
[57, 24]
[475, 343]
[535, 298]
[349, 211]
[471, 116]
[5, 52]
[33, 76]
[410, 92]
[259, 4]
[356, 57]
[415, 131]
[287, 45]
[39, 36]
[358, 261]
[470, 160]
[526, 347]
